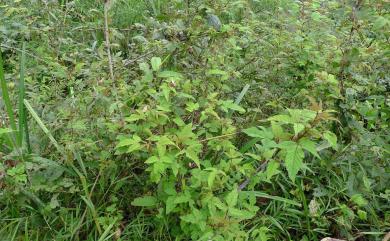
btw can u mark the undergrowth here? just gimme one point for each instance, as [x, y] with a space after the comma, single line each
[224, 120]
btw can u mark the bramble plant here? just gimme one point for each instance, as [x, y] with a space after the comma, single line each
[194, 120]
[187, 145]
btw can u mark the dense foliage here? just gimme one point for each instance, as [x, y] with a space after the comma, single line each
[194, 120]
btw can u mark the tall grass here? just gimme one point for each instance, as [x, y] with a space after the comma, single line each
[14, 137]
[23, 124]
[18, 131]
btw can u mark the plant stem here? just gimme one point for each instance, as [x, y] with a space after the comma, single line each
[107, 37]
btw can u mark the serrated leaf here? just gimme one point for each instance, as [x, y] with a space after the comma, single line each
[281, 118]
[182, 199]
[134, 117]
[241, 214]
[331, 138]
[255, 132]
[272, 169]
[302, 116]
[287, 145]
[219, 204]
[230, 105]
[191, 107]
[298, 128]
[170, 204]
[309, 146]
[294, 161]
[145, 201]
[152, 159]
[231, 198]
[359, 200]
[362, 214]
[277, 130]
[211, 178]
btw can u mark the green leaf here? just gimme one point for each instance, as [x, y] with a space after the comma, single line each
[4, 131]
[170, 204]
[191, 107]
[227, 105]
[281, 118]
[170, 74]
[211, 178]
[331, 138]
[145, 201]
[43, 126]
[231, 198]
[277, 130]
[183, 198]
[359, 200]
[272, 169]
[134, 117]
[128, 141]
[309, 146]
[156, 63]
[267, 196]
[241, 214]
[302, 116]
[362, 214]
[298, 128]
[380, 22]
[6, 99]
[294, 161]
[224, 75]
[255, 132]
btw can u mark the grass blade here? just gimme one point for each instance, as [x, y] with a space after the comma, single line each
[276, 198]
[106, 235]
[42, 125]
[239, 98]
[23, 124]
[7, 100]
[242, 94]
